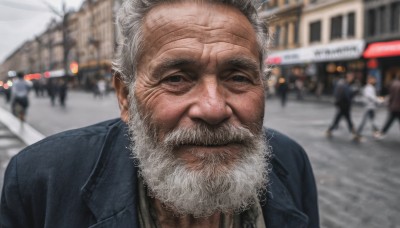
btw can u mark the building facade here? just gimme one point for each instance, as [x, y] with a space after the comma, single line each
[330, 43]
[333, 37]
[87, 39]
[283, 17]
[382, 35]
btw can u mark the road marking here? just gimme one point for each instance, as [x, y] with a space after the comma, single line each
[25, 132]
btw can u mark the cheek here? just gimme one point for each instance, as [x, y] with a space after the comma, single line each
[166, 113]
[249, 108]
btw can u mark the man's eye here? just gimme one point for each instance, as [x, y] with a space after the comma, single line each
[241, 79]
[174, 79]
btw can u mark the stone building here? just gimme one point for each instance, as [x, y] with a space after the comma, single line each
[88, 37]
[329, 41]
[382, 34]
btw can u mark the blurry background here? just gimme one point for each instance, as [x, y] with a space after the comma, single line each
[314, 43]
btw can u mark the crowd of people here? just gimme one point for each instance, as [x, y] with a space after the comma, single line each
[56, 89]
[344, 94]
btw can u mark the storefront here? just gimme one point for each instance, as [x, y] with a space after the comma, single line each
[92, 71]
[383, 62]
[321, 65]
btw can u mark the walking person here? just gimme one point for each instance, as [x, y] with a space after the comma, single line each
[344, 94]
[19, 96]
[52, 90]
[282, 89]
[101, 87]
[62, 90]
[370, 101]
[394, 107]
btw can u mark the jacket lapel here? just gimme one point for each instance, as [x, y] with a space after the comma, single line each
[279, 209]
[110, 192]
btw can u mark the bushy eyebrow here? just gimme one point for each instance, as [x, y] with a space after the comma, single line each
[233, 63]
[172, 64]
[242, 63]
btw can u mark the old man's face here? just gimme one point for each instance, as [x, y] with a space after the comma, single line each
[197, 108]
[201, 66]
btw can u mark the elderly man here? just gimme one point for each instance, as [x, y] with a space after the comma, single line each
[189, 150]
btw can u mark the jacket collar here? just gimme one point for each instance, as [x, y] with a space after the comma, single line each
[279, 208]
[111, 189]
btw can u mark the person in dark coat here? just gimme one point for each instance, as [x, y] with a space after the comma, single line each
[393, 107]
[344, 94]
[189, 150]
[282, 88]
[62, 90]
[52, 90]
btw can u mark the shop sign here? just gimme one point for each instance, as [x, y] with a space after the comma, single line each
[338, 51]
[295, 56]
[319, 53]
[383, 49]
[54, 73]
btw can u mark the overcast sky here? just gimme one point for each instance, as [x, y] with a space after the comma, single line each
[21, 20]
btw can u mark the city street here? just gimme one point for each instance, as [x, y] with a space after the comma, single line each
[358, 183]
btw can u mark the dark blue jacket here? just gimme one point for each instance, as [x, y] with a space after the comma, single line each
[86, 178]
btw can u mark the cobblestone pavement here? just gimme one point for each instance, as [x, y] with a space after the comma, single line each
[358, 183]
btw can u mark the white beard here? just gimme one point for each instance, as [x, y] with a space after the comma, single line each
[214, 187]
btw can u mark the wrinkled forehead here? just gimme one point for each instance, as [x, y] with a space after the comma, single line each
[193, 11]
[170, 22]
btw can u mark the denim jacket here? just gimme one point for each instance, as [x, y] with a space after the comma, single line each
[87, 178]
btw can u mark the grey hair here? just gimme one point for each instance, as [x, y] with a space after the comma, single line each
[130, 36]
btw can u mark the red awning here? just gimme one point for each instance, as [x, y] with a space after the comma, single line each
[383, 49]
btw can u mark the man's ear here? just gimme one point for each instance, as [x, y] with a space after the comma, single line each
[122, 95]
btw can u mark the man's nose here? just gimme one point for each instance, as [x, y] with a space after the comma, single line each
[210, 106]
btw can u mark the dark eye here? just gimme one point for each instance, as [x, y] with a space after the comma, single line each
[174, 79]
[240, 79]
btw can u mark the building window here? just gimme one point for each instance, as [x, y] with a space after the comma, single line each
[371, 19]
[395, 17]
[315, 31]
[336, 27]
[286, 39]
[351, 24]
[277, 36]
[382, 20]
[296, 32]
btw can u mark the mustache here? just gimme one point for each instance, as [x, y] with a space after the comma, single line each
[204, 135]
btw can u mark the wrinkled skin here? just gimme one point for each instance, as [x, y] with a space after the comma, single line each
[201, 65]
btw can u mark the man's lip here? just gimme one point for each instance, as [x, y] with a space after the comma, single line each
[207, 145]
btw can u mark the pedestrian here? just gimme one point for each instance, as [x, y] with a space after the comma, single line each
[36, 87]
[62, 90]
[283, 88]
[370, 101]
[19, 96]
[299, 85]
[189, 150]
[52, 90]
[42, 86]
[393, 107]
[344, 94]
[101, 87]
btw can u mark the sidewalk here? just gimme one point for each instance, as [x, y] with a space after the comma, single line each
[14, 136]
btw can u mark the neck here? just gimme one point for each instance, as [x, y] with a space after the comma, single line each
[167, 219]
